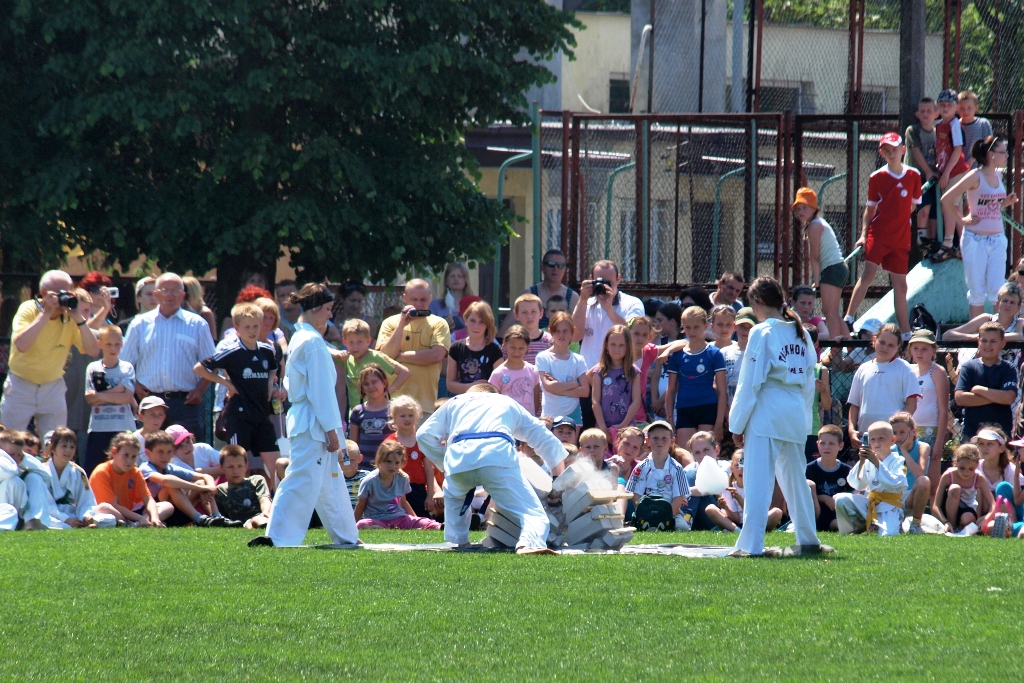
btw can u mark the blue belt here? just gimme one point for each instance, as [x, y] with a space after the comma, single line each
[466, 504]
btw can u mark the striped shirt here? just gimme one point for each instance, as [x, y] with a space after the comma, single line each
[164, 350]
[668, 482]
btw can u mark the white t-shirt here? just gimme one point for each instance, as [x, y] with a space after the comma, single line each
[598, 323]
[881, 389]
[142, 448]
[563, 370]
[733, 362]
[110, 417]
[204, 456]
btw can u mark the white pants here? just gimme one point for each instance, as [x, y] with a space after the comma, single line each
[510, 491]
[23, 400]
[13, 494]
[764, 461]
[8, 517]
[29, 495]
[313, 481]
[984, 265]
[852, 513]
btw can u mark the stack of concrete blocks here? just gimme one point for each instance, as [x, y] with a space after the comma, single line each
[590, 510]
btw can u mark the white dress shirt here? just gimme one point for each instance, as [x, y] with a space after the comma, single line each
[164, 350]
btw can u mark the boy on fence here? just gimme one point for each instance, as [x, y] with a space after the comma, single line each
[949, 157]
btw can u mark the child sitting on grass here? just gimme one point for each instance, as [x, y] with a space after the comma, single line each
[176, 485]
[828, 477]
[917, 456]
[728, 513]
[881, 471]
[382, 494]
[963, 495]
[152, 414]
[119, 484]
[405, 416]
[594, 446]
[243, 499]
[72, 503]
[659, 474]
[198, 457]
[629, 446]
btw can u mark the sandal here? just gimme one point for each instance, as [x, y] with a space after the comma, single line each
[943, 253]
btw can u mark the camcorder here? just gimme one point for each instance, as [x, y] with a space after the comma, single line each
[419, 313]
[601, 286]
[67, 299]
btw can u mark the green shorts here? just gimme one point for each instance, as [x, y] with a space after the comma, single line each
[837, 275]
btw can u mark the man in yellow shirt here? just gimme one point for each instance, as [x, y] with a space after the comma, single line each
[418, 340]
[43, 333]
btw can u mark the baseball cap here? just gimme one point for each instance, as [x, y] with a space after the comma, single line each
[872, 325]
[893, 139]
[178, 433]
[151, 402]
[745, 316]
[947, 95]
[563, 420]
[923, 335]
[657, 423]
[806, 195]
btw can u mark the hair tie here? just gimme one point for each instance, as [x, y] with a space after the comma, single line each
[316, 300]
[785, 307]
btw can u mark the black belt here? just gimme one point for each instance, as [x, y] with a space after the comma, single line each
[169, 394]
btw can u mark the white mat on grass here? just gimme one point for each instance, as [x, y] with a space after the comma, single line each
[678, 549]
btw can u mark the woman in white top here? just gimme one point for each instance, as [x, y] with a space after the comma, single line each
[932, 413]
[983, 243]
[829, 271]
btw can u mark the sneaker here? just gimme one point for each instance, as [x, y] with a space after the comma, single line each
[208, 521]
[849, 321]
[232, 523]
[261, 541]
[999, 523]
[915, 528]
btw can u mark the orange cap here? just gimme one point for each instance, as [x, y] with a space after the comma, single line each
[806, 195]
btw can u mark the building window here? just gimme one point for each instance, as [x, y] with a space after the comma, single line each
[618, 96]
[796, 96]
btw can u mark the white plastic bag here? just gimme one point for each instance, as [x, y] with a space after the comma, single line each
[711, 480]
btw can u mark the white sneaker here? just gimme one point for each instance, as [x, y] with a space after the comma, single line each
[849, 321]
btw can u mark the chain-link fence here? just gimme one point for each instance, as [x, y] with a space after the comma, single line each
[985, 51]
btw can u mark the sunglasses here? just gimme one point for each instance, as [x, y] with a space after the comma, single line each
[554, 264]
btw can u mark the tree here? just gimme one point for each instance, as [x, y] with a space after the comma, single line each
[214, 134]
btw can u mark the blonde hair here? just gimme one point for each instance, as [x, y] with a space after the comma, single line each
[967, 451]
[593, 434]
[269, 307]
[694, 312]
[109, 330]
[641, 320]
[405, 403]
[193, 292]
[483, 388]
[702, 436]
[605, 363]
[354, 326]
[903, 417]
[482, 310]
[627, 432]
[83, 295]
[458, 265]
[527, 298]
[246, 311]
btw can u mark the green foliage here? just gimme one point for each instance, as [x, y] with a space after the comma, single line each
[880, 15]
[212, 134]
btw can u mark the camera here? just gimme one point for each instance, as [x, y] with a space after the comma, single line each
[67, 299]
[419, 313]
[602, 286]
[113, 292]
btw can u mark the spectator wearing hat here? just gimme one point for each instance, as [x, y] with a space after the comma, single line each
[564, 428]
[932, 413]
[829, 272]
[893, 190]
[164, 345]
[949, 158]
[152, 415]
[197, 457]
[42, 334]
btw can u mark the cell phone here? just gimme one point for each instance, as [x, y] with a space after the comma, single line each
[419, 314]
[114, 292]
[865, 440]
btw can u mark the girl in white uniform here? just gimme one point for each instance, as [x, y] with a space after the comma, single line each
[72, 503]
[983, 243]
[314, 477]
[776, 388]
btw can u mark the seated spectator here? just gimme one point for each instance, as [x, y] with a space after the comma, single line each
[370, 422]
[1008, 305]
[456, 286]
[119, 484]
[472, 360]
[564, 428]
[883, 385]
[240, 498]
[963, 496]
[194, 301]
[659, 474]
[562, 373]
[32, 445]
[629, 452]
[828, 477]
[197, 457]
[916, 455]
[822, 398]
[518, 378]
[382, 494]
[110, 391]
[701, 445]
[727, 514]
[616, 387]
[152, 415]
[995, 462]
[24, 482]
[986, 386]
[405, 417]
[355, 333]
[71, 501]
[350, 460]
[881, 472]
[179, 486]
[594, 447]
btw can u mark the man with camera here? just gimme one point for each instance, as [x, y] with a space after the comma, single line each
[43, 332]
[601, 306]
[164, 345]
[418, 340]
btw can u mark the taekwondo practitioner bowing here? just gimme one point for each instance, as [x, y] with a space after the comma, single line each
[771, 415]
[480, 429]
[314, 477]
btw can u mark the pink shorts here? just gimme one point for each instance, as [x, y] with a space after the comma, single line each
[407, 522]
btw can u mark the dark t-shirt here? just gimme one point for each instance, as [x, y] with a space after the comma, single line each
[250, 371]
[374, 426]
[1001, 377]
[829, 483]
[474, 365]
[242, 501]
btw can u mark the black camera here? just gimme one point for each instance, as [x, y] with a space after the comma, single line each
[67, 299]
[601, 286]
[419, 313]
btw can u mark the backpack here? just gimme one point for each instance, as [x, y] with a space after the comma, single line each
[654, 513]
[920, 319]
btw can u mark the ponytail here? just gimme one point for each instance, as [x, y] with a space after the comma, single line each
[767, 292]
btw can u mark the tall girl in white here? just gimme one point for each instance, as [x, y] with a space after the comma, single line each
[983, 243]
[771, 417]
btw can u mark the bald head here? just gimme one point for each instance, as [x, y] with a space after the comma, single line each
[170, 293]
[417, 294]
[54, 281]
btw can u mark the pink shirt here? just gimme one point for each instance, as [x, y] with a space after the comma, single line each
[518, 384]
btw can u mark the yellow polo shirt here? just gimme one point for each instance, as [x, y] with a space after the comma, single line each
[420, 334]
[45, 359]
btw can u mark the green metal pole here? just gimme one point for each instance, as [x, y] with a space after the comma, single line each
[647, 202]
[501, 199]
[609, 186]
[718, 218]
[940, 219]
[828, 181]
[537, 232]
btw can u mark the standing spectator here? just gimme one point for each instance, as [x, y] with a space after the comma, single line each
[563, 374]
[473, 358]
[289, 312]
[419, 340]
[356, 335]
[973, 127]
[194, 299]
[110, 393]
[697, 394]
[829, 271]
[42, 334]
[668, 320]
[893, 190]
[96, 284]
[518, 378]
[353, 296]
[987, 385]
[983, 243]
[729, 288]
[163, 346]
[145, 300]
[74, 371]
[932, 413]
[456, 286]
[949, 158]
[553, 269]
[921, 155]
[600, 307]
[528, 311]
[696, 296]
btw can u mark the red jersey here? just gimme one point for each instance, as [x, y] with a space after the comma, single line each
[413, 462]
[893, 198]
[947, 137]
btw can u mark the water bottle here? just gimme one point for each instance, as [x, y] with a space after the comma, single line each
[275, 403]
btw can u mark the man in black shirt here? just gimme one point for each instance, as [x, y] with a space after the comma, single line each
[827, 476]
[987, 385]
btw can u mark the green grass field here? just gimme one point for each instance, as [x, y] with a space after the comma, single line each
[196, 604]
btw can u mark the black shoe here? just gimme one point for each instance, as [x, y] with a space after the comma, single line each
[261, 541]
[231, 523]
[207, 520]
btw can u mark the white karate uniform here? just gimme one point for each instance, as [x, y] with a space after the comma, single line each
[488, 461]
[852, 508]
[772, 409]
[34, 495]
[12, 493]
[314, 479]
[72, 486]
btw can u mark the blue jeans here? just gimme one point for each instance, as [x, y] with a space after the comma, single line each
[1005, 489]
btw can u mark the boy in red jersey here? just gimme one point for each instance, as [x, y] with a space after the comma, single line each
[893, 191]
